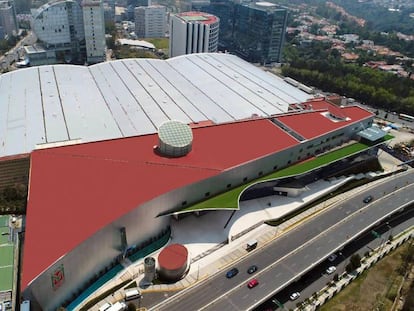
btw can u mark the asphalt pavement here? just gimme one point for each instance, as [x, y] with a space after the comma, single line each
[195, 233]
[306, 244]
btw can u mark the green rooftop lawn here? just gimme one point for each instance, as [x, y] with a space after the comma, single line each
[4, 221]
[229, 199]
[6, 255]
[6, 278]
[4, 239]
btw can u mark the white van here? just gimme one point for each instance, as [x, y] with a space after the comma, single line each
[118, 306]
[105, 306]
[251, 245]
[132, 294]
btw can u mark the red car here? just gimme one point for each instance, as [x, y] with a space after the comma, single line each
[252, 283]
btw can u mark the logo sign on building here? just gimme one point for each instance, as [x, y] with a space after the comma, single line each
[58, 277]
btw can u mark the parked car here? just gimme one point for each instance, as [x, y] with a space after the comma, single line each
[331, 270]
[368, 199]
[252, 283]
[105, 306]
[294, 296]
[231, 273]
[252, 269]
[332, 257]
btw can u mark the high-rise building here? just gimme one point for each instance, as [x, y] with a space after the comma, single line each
[109, 11]
[259, 31]
[94, 25]
[150, 21]
[59, 27]
[254, 31]
[8, 19]
[59, 23]
[193, 32]
[71, 31]
[132, 4]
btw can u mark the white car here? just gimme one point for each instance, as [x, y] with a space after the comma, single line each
[332, 257]
[294, 296]
[331, 270]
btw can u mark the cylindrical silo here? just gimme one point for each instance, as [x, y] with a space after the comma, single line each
[173, 262]
[149, 269]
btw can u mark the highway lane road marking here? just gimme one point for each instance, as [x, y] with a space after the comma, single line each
[293, 225]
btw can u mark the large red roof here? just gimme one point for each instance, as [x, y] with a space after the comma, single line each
[313, 123]
[74, 189]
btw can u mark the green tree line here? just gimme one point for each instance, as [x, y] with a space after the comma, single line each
[373, 87]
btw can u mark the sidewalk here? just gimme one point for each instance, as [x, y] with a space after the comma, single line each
[201, 234]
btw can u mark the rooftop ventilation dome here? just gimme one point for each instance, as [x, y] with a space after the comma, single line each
[175, 139]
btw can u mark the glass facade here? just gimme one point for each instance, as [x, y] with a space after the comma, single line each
[253, 31]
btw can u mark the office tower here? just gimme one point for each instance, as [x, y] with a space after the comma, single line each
[8, 19]
[259, 31]
[193, 32]
[136, 3]
[109, 11]
[132, 4]
[59, 25]
[150, 21]
[253, 31]
[69, 31]
[94, 25]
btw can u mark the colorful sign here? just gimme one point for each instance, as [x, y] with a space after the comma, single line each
[58, 277]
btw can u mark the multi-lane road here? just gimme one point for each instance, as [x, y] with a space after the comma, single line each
[316, 279]
[298, 251]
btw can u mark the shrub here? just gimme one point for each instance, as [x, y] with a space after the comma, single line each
[349, 268]
[132, 307]
[355, 261]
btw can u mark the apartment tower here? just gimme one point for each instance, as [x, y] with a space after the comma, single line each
[193, 32]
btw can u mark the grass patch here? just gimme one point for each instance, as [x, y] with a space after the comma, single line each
[368, 166]
[373, 289]
[229, 199]
[160, 43]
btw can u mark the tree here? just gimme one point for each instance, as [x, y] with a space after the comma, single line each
[132, 306]
[10, 193]
[355, 261]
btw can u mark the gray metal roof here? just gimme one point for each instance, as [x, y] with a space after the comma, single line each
[372, 133]
[130, 97]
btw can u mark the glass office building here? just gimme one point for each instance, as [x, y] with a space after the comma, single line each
[254, 31]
